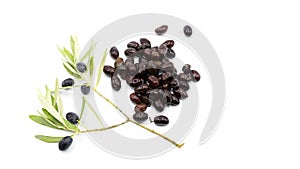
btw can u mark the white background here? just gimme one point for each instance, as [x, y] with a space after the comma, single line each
[257, 43]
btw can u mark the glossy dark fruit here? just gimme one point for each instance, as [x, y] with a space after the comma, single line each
[85, 89]
[161, 120]
[180, 93]
[140, 107]
[133, 44]
[68, 82]
[168, 97]
[168, 66]
[81, 67]
[129, 79]
[142, 89]
[166, 77]
[153, 81]
[154, 55]
[129, 52]
[109, 70]
[184, 85]
[135, 82]
[159, 105]
[140, 117]
[189, 77]
[145, 100]
[195, 76]
[115, 83]
[145, 42]
[170, 53]
[114, 52]
[183, 77]
[72, 117]
[169, 43]
[161, 30]
[135, 98]
[187, 30]
[65, 143]
[186, 68]
[118, 62]
[174, 84]
[174, 100]
[162, 49]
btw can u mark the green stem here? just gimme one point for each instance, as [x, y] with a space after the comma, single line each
[105, 128]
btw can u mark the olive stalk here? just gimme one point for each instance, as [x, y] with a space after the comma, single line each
[134, 122]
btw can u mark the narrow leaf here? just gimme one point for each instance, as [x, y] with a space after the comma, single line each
[100, 68]
[55, 92]
[48, 94]
[71, 71]
[60, 106]
[52, 101]
[48, 139]
[48, 106]
[41, 121]
[91, 65]
[69, 55]
[89, 52]
[82, 107]
[74, 47]
[70, 126]
[52, 119]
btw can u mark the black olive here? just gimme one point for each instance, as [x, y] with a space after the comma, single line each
[186, 68]
[161, 120]
[85, 89]
[170, 54]
[130, 52]
[114, 53]
[65, 143]
[135, 98]
[140, 107]
[169, 43]
[81, 67]
[140, 117]
[145, 42]
[161, 30]
[109, 70]
[187, 30]
[196, 76]
[115, 83]
[72, 117]
[133, 44]
[159, 105]
[68, 82]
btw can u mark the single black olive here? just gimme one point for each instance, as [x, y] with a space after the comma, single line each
[72, 117]
[81, 67]
[140, 117]
[85, 89]
[67, 82]
[114, 53]
[65, 143]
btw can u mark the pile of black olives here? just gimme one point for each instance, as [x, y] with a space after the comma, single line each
[153, 77]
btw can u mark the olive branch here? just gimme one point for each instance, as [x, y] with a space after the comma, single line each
[52, 114]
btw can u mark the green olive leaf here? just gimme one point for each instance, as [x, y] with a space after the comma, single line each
[74, 47]
[70, 126]
[82, 107]
[71, 70]
[89, 52]
[41, 121]
[100, 68]
[55, 93]
[91, 66]
[52, 119]
[48, 139]
[66, 54]
[60, 106]
[48, 106]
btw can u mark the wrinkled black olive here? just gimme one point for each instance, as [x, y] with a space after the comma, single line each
[140, 117]
[161, 30]
[114, 53]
